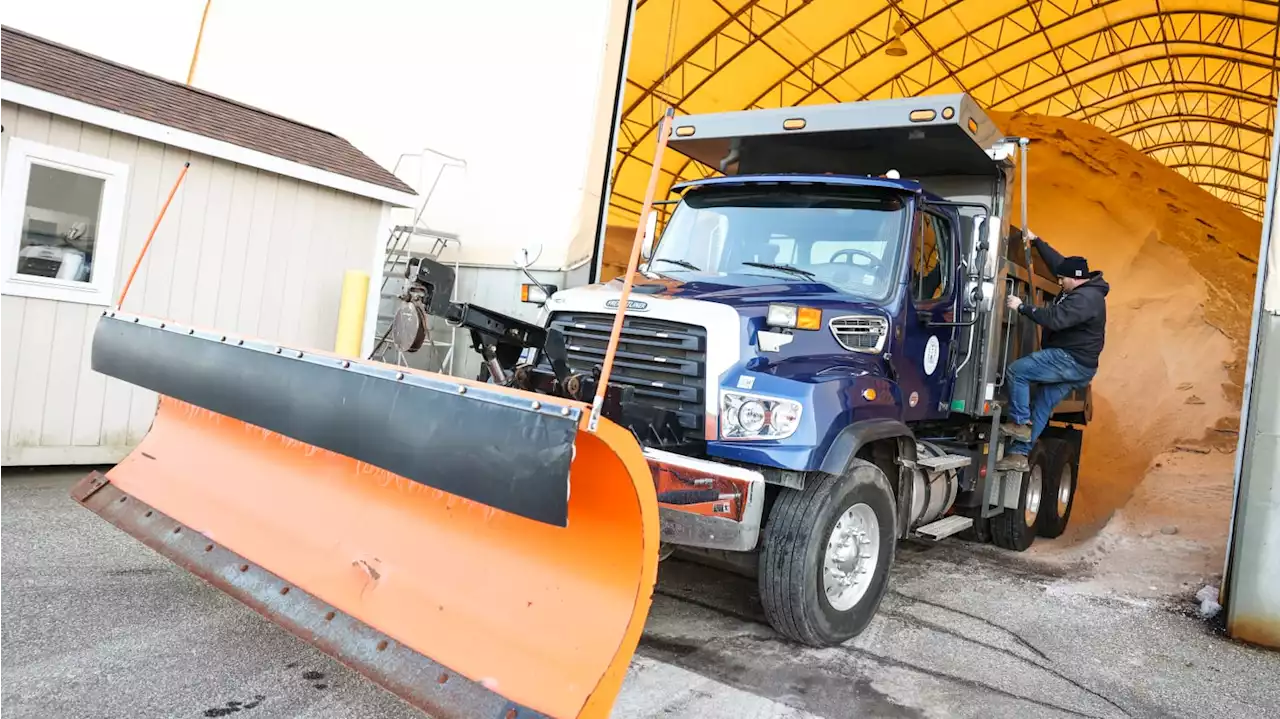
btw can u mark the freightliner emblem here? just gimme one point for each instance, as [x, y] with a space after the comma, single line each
[632, 305]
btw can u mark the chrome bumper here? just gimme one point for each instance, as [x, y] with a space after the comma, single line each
[737, 531]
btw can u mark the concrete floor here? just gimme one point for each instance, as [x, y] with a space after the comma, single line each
[97, 625]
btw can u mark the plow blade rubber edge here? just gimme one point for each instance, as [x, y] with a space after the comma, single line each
[355, 504]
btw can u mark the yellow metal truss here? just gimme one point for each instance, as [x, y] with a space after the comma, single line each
[1192, 83]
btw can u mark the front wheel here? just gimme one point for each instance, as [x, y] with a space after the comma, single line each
[827, 552]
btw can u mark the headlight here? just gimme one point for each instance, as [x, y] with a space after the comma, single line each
[750, 416]
[794, 317]
[536, 295]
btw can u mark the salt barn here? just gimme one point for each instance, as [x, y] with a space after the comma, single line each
[1151, 128]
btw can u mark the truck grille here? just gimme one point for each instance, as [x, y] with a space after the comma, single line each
[860, 333]
[664, 361]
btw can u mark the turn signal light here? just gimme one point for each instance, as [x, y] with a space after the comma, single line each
[794, 317]
[535, 294]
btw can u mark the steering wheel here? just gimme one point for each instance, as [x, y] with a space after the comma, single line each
[875, 261]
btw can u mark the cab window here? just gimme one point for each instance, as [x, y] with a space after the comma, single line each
[931, 266]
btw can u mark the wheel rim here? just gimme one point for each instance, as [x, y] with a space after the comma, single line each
[853, 550]
[1035, 488]
[1066, 486]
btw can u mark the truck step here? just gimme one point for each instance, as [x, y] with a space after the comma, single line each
[945, 527]
[945, 462]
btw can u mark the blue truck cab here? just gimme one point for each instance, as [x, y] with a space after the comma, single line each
[816, 343]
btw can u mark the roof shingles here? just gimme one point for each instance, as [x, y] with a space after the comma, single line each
[45, 65]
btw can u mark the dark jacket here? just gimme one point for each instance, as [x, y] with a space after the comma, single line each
[1075, 321]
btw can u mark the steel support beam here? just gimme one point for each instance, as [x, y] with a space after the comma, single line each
[1251, 584]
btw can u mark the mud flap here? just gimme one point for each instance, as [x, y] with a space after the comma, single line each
[418, 528]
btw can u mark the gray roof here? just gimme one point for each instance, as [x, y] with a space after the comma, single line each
[46, 65]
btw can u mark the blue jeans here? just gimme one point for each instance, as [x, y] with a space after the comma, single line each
[1056, 373]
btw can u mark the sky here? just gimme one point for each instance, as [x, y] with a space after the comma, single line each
[508, 85]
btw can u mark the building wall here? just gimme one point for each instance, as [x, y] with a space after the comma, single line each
[239, 249]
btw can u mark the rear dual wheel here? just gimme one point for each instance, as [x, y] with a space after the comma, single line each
[1061, 473]
[827, 552]
[1016, 528]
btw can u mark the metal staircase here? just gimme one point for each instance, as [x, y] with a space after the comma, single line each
[436, 352]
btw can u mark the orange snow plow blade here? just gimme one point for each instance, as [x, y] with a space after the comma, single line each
[292, 483]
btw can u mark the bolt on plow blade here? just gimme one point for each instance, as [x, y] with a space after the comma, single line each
[416, 527]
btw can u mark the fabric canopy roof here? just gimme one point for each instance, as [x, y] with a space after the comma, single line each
[1192, 83]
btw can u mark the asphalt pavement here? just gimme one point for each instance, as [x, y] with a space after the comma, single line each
[96, 625]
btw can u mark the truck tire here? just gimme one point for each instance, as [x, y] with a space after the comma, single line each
[1016, 528]
[1059, 488]
[812, 589]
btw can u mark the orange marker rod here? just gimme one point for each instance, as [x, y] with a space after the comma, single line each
[606, 369]
[136, 263]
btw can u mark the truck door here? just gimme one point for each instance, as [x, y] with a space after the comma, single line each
[924, 364]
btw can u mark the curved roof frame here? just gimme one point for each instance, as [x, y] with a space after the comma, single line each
[1260, 179]
[1112, 63]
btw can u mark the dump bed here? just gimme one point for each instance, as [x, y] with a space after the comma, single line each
[939, 135]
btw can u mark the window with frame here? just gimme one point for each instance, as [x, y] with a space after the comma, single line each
[63, 217]
[931, 258]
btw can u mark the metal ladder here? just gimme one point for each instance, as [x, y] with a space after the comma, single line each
[396, 260]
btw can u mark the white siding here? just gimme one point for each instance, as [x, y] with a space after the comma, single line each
[239, 249]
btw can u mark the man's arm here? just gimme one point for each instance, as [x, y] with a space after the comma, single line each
[1072, 310]
[1050, 255]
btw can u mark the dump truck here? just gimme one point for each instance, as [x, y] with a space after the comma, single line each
[806, 369]
[824, 322]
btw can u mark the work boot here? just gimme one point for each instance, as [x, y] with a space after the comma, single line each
[1017, 431]
[1013, 463]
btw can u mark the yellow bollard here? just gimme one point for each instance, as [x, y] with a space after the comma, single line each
[355, 291]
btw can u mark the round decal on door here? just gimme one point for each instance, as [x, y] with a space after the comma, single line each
[931, 352]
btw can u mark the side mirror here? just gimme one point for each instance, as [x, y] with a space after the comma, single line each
[650, 229]
[533, 292]
[526, 256]
[981, 225]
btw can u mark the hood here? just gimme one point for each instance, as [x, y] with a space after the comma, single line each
[733, 289]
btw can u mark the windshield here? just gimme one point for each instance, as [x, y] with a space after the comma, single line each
[846, 237]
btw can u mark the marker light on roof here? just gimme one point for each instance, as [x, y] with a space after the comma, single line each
[795, 123]
[923, 115]
[893, 175]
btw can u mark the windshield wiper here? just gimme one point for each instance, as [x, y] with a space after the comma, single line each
[784, 268]
[683, 263]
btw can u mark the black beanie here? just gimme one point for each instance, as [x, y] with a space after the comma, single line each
[1073, 267]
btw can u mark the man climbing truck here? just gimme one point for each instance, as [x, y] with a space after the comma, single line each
[832, 335]
[808, 370]
[1074, 331]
